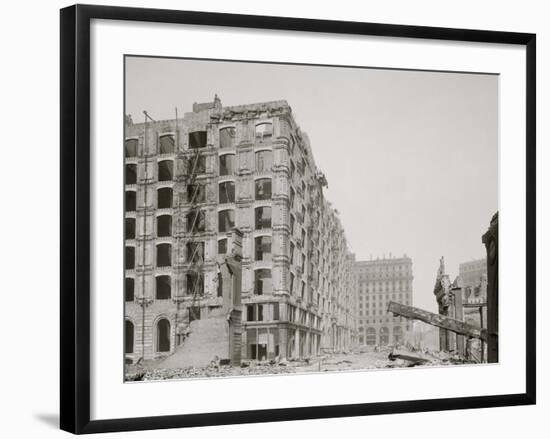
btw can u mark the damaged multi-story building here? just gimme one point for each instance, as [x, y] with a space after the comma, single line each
[380, 281]
[463, 299]
[189, 183]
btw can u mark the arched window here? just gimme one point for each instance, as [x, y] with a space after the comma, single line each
[227, 192]
[195, 251]
[226, 220]
[129, 289]
[130, 148]
[130, 201]
[384, 336]
[196, 193]
[167, 144]
[163, 335]
[264, 161]
[129, 228]
[262, 217]
[262, 282]
[371, 336]
[164, 225]
[227, 137]
[128, 337]
[164, 198]
[164, 255]
[166, 170]
[164, 287]
[263, 189]
[130, 258]
[227, 164]
[130, 173]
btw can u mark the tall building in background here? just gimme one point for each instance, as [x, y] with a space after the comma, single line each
[471, 273]
[380, 281]
[189, 182]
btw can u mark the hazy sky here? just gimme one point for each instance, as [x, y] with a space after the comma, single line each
[411, 158]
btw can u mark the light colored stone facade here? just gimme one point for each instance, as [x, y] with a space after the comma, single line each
[380, 281]
[196, 178]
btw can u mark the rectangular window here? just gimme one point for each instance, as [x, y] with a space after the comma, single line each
[167, 144]
[227, 137]
[264, 161]
[226, 220]
[263, 248]
[275, 311]
[195, 252]
[195, 221]
[196, 193]
[263, 218]
[195, 284]
[263, 189]
[130, 228]
[262, 282]
[227, 192]
[222, 246]
[227, 164]
[130, 256]
[130, 148]
[197, 139]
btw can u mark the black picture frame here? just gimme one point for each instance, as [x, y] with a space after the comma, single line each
[75, 217]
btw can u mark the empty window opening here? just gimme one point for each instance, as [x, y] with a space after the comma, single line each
[195, 252]
[130, 173]
[196, 193]
[196, 164]
[130, 148]
[195, 284]
[130, 228]
[262, 218]
[227, 164]
[227, 192]
[164, 225]
[167, 144]
[194, 313]
[226, 220]
[263, 189]
[220, 284]
[129, 289]
[262, 281]
[276, 311]
[164, 255]
[166, 170]
[128, 337]
[163, 335]
[227, 137]
[264, 161]
[164, 287]
[164, 198]
[222, 246]
[262, 246]
[264, 129]
[195, 221]
[130, 201]
[130, 257]
[197, 139]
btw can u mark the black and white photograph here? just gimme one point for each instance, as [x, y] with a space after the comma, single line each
[294, 218]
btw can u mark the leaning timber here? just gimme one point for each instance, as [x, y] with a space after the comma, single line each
[441, 321]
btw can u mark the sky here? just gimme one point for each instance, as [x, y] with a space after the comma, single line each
[411, 157]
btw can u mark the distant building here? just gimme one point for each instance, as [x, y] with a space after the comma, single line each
[471, 273]
[380, 281]
[189, 182]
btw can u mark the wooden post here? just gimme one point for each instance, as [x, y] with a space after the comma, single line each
[490, 239]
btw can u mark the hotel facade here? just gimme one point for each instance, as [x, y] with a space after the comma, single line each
[189, 182]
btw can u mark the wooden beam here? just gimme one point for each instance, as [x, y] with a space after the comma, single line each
[441, 321]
